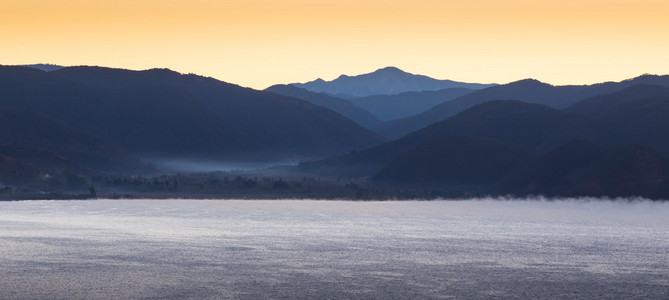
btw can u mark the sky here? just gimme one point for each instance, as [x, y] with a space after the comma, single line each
[257, 43]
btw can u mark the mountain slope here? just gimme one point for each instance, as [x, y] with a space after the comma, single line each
[278, 123]
[529, 90]
[386, 81]
[532, 126]
[637, 115]
[456, 161]
[44, 67]
[390, 107]
[342, 106]
[538, 127]
[20, 128]
[620, 102]
[581, 168]
[162, 114]
[144, 120]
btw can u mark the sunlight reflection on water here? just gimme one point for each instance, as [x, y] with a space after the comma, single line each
[334, 249]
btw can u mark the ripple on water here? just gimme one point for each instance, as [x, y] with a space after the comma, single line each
[329, 249]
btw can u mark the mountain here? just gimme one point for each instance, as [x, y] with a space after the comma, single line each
[390, 107]
[44, 67]
[456, 162]
[386, 81]
[621, 102]
[342, 106]
[146, 121]
[533, 126]
[609, 145]
[529, 90]
[582, 168]
[530, 125]
[289, 126]
[164, 114]
[637, 114]
[29, 130]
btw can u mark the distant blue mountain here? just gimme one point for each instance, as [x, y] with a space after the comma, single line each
[391, 107]
[44, 67]
[386, 81]
[527, 90]
[339, 105]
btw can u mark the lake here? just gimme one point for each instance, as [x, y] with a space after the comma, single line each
[292, 249]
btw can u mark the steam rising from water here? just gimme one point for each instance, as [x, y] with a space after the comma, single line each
[579, 248]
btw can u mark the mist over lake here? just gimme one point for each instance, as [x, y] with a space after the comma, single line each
[334, 249]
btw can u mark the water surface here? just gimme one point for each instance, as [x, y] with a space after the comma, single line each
[252, 249]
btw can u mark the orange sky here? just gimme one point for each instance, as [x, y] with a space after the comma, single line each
[257, 43]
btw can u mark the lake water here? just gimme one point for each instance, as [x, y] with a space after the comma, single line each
[211, 249]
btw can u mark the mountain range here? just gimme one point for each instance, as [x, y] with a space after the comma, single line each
[385, 81]
[487, 148]
[346, 108]
[529, 90]
[44, 67]
[391, 107]
[60, 127]
[162, 114]
[371, 111]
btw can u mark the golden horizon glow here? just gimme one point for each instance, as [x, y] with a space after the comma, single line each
[258, 43]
